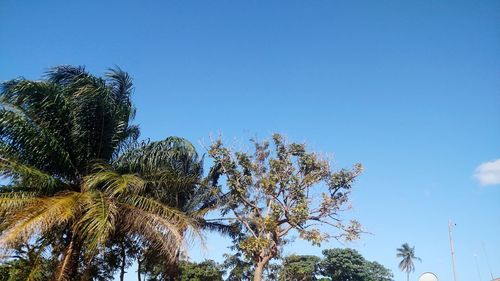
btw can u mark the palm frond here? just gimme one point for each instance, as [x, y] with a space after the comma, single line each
[173, 153]
[29, 177]
[98, 221]
[65, 74]
[149, 205]
[216, 227]
[111, 182]
[35, 143]
[12, 201]
[41, 215]
[154, 230]
[121, 85]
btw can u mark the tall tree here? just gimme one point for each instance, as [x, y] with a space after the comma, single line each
[61, 142]
[343, 265]
[407, 255]
[374, 271]
[273, 191]
[299, 268]
[349, 265]
[172, 170]
[175, 178]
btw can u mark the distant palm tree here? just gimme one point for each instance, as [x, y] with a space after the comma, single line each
[407, 254]
[75, 177]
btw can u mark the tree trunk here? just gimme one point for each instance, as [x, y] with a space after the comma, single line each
[123, 255]
[70, 260]
[259, 269]
[139, 263]
[173, 270]
[407, 276]
[264, 258]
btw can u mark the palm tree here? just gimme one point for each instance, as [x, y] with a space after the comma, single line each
[175, 177]
[66, 146]
[407, 254]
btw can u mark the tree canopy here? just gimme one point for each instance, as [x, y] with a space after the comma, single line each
[348, 265]
[299, 268]
[270, 193]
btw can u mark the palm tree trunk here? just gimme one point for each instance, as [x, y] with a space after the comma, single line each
[123, 255]
[174, 267]
[69, 264]
[139, 269]
[407, 276]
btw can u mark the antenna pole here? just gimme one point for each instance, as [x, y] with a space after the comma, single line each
[478, 271]
[487, 260]
[450, 225]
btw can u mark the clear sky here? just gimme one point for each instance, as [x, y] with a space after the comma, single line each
[409, 88]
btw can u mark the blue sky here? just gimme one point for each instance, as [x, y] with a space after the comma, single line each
[409, 88]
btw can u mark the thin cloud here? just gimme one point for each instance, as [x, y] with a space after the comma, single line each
[488, 173]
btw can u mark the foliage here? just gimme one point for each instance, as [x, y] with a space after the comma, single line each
[270, 192]
[82, 199]
[237, 268]
[27, 262]
[299, 268]
[349, 265]
[63, 142]
[207, 270]
[407, 255]
[174, 174]
[343, 265]
[374, 271]
[155, 268]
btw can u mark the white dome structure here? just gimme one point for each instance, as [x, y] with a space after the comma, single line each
[428, 276]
